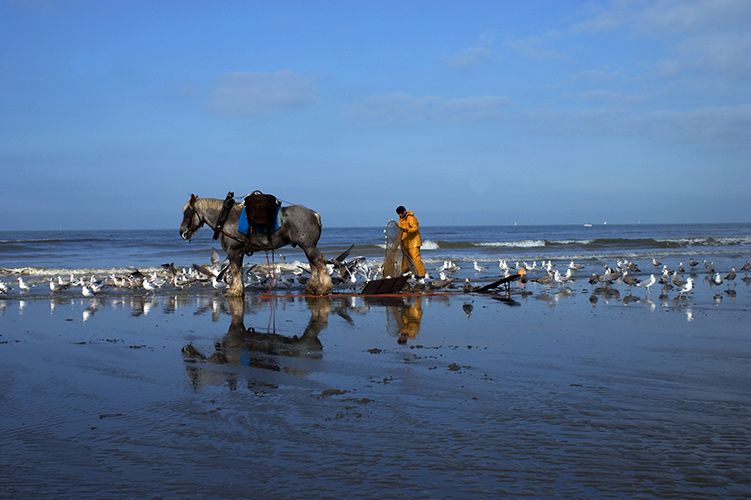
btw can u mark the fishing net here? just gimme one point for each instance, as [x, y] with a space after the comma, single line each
[392, 262]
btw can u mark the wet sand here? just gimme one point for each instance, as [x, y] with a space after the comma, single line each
[541, 395]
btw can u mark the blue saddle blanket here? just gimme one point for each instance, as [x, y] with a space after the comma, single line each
[244, 228]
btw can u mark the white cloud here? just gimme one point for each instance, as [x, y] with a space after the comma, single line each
[472, 56]
[609, 97]
[404, 108]
[249, 94]
[597, 76]
[536, 47]
[729, 53]
[720, 126]
[703, 35]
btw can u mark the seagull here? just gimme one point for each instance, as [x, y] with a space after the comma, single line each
[545, 279]
[647, 283]
[692, 262]
[731, 275]
[441, 283]
[4, 288]
[219, 285]
[23, 286]
[150, 285]
[655, 263]
[665, 277]
[677, 280]
[56, 286]
[467, 288]
[629, 280]
[478, 267]
[574, 267]
[559, 278]
[86, 291]
[746, 267]
[716, 279]
[687, 287]
[593, 280]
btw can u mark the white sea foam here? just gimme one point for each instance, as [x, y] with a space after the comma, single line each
[571, 242]
[430, 245]
[512, 244]
[44, 271]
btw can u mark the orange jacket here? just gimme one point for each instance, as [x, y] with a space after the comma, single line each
[410, 230]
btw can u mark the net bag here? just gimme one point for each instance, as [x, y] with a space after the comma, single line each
[392, 262]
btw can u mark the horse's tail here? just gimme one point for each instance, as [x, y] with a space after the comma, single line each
[318, 218]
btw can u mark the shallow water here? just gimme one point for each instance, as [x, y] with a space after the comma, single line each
[541, 395]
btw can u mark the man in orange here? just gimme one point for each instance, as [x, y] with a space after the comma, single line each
[411, 241]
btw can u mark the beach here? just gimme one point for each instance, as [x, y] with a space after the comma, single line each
[545, 392]
[565, 390]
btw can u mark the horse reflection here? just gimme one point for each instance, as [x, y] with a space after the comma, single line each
[246, 347]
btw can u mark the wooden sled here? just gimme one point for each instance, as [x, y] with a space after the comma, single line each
[505, 282]
[387, 285]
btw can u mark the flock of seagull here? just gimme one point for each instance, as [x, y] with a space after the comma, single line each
[215, 274]
[624, 272]
[356, 271]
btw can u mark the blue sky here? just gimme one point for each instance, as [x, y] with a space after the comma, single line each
[497, 112]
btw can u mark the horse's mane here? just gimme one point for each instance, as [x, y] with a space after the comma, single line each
[211, 203]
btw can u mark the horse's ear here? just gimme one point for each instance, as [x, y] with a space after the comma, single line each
[193, 199]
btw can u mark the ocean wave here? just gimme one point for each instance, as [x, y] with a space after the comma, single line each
[48, 271]
[605, 243]
[430, 245]
[510, 244]
[704, 241]
[34, 241]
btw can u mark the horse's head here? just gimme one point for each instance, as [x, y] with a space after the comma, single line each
[191, 219]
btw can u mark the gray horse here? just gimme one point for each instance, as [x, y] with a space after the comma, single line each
[300, 226]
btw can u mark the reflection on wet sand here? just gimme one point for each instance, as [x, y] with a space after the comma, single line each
[403, 314]
[248, 347]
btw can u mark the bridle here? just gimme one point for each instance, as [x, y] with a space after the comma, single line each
[190, 211]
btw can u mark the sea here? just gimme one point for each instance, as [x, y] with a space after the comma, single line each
[722, 246]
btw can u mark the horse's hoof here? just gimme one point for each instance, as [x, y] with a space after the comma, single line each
[318, 291]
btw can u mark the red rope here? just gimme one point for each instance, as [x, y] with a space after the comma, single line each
[271, 275]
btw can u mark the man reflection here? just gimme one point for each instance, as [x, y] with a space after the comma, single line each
[408, 319]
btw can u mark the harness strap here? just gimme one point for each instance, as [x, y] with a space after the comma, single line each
[229, 202]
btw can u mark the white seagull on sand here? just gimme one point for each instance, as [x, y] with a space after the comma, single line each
[23, 286]
[647, 283]
[716, 279]
[687, 287]
[56, 286]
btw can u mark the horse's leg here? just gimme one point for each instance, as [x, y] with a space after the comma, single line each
[320, 281]
[237, 287]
